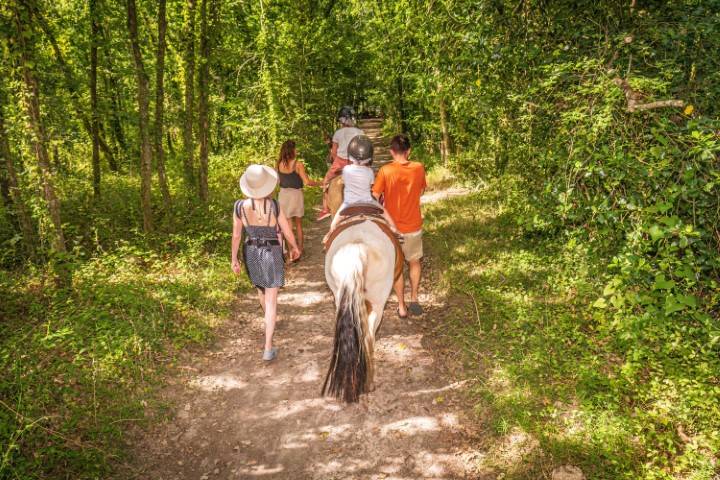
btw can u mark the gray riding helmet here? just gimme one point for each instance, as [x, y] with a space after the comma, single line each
[346, 115]
[360, 150]
[346, 112]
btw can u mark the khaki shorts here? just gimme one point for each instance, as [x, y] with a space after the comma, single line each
[412, 246]
[292, 202]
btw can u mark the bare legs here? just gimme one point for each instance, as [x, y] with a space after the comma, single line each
[299, 233]
[261, 298]
[399, 287]
[415, 269]
[268, 301]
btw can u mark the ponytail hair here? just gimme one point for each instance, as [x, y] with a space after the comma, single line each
[287, 153]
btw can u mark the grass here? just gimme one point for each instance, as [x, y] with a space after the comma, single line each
[83, 355]
[440, 177]
[543, 375]
[84, 348]
[81, 362]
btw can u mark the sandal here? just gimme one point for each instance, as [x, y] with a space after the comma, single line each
[415, 308]
[269, 355]
[401, 316]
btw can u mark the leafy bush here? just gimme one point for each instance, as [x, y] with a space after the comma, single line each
[541, 104]
[619, 395]
[81, 358]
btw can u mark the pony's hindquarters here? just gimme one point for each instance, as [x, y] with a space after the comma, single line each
[349, 365]
[359, 268]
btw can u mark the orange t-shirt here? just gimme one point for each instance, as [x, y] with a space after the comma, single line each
[402, 184]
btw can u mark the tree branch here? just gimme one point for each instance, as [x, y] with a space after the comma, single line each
[658, 104]
[634, 99]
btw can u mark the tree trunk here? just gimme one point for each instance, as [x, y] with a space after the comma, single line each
[32, 104]
[115, 117]
[160, 104]
[143, 118]
[14, 200]
[188, 144]
[401, 103]
[170, 144]
[56, 160]
[266, 78]
[203, 113]
[112, 89]
[5, 184]
[445, 136]
[95, 118]
[70, 82]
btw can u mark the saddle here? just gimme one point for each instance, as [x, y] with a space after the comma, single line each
[362, 212]
[361, 209]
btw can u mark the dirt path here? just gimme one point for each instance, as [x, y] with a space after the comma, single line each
[236, 417]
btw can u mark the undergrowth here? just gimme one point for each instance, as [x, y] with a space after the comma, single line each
[84, 338]
[553, 380]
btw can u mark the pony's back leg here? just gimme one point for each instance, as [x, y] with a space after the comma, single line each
[374, 319]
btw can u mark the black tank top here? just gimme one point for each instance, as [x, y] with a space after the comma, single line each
[290, 180]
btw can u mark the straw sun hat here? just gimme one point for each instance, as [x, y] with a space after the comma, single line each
[258, 181]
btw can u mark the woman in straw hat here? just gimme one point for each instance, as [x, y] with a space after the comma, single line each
[259, 218]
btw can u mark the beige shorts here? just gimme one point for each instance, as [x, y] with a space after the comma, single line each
[412, 246]
[292, 202]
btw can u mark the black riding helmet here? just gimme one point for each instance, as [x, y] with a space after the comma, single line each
[346, 112]
[360, 150]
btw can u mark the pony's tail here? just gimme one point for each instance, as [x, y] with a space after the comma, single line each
[348, 372]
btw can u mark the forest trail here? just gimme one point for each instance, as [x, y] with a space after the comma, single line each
[373, 129]
[236, 417]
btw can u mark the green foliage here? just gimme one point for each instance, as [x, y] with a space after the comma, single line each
[614, 212]
[81, 360]
[525, 311]
[546, 121]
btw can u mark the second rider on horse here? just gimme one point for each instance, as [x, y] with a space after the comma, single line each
[338, 151]
[358, 179]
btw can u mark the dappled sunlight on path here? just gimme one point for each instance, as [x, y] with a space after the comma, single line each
[234, 416]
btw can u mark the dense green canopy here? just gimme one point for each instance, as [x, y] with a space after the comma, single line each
[124, 126]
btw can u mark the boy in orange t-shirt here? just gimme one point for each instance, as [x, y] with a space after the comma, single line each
[402, 183]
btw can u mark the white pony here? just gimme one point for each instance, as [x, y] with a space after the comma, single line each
[359, 268]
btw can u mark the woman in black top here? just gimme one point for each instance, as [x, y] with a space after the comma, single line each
[292, 179]
[259, 220]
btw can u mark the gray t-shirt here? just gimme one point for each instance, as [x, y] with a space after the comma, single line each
[342, 137]
[358, 181]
